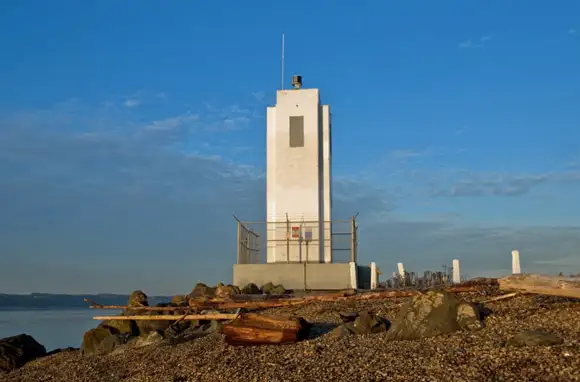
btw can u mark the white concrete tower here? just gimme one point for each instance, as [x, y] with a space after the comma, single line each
[516, 269]
[298, 177]
[401, 269]
[456, 272]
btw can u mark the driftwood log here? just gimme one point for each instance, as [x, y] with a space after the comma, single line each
[288, 301]
[540, 284]
[170, 317]
[254, 329]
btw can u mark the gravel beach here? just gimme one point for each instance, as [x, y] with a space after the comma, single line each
[463, 356]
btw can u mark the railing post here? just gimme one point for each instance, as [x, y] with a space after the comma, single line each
[353, 241]
[287, 239]
[239, 242]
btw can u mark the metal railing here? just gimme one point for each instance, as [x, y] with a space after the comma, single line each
[297, 241]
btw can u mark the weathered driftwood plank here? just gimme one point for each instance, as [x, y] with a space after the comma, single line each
[254, 305]
[540, 284]
[247, 335]
[255, 329]
[502, 297]
[169, 317]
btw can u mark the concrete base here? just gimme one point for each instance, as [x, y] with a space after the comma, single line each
[316, 276]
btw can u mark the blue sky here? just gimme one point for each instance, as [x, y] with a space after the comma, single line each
[130, 131]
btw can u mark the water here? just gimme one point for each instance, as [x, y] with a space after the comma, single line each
[53, 328]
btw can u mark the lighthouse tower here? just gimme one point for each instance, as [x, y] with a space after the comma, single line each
[298, 191]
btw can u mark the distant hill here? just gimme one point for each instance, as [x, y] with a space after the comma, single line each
[65, 301]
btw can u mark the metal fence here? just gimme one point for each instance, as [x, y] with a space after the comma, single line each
[429, 279]
[297, 241]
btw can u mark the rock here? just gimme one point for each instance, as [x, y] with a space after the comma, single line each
[56, 351]
[225, 291]
[197, 329]
[17, 350]
[111, 342]
[362, 323]
[433, 313]
[267, 288]
[138, 298]
[202, 290]
[278, 289]
[350, 292]
[207, 327]
[469, 316]
[179, 300]
[534, 338]
[367, 322]
[145, 327]
[93, 338]
[122, 326]
[152, 338]
[343, 330]
[347, 316]
[251, 288]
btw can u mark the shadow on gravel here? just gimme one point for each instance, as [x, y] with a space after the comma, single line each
[319, 329]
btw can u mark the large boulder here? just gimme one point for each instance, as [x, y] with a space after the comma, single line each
[267, 288]
[93, 338]
[179, 300]
[129, 327]
[251, 288]
[110, 343]
[145, 327]
[202, 290]
[153, 338]
[137, 299]
[226, 291]
[17, 350]
[278, 289]
[433, 313]
[363, 322]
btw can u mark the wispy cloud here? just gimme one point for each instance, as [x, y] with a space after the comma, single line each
[470, 43]
[259, 96]
[227, 118]
[67, 182]
[474, 184]
[138, 98]
[130, 103]
[405, 154]
[172, 123]
[571, 31]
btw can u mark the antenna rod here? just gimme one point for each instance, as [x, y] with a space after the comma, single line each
[282, 61]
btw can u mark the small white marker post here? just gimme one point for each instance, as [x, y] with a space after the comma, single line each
[374, 276]
[401, 269]
[456, 272]
[516, 269]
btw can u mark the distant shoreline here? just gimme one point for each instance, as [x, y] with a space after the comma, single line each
[41, 301]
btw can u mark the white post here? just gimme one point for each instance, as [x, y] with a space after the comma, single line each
[374, 276]
[516, 269]
[353, 278]
[401, 269]
[456, 272]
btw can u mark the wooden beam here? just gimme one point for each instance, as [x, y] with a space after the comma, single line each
[540, 284]
[168, 317]
[502, 297]
[255, 329]
[288, 301]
